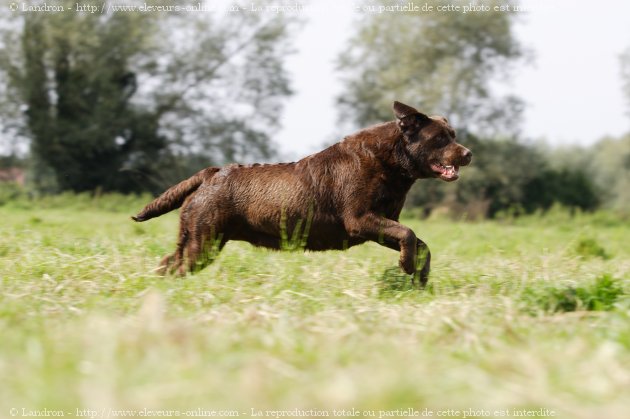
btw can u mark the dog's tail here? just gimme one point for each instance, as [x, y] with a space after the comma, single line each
[174, 196]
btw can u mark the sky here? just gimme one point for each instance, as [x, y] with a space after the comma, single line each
[572, 89]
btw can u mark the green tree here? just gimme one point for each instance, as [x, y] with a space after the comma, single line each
[609, 167]
[71, 74]
[130, 100]
[609, 159]
[445, 63]
[223, 86]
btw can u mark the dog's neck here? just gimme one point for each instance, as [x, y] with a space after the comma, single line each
[387, 143]
[406, 164]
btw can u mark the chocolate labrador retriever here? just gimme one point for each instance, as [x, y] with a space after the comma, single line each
[345, 195]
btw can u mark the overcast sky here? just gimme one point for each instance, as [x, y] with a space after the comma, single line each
[572, 89]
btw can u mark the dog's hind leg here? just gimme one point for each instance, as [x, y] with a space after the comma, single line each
[201, 250]
[189, 257]
[166, 262]
[171, 263]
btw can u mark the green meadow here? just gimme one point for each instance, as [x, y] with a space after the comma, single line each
[521, 317]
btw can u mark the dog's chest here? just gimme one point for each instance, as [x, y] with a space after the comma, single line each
[389, 196]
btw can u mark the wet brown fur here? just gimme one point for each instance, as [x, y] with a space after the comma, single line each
[347, 194]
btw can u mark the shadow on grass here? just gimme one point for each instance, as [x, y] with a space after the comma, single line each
[393, 282]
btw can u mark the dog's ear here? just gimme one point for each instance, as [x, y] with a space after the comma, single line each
[409, 120]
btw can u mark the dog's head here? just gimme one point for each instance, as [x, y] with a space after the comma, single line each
[429, 142]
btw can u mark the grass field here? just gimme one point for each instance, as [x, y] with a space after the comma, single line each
[524, 317]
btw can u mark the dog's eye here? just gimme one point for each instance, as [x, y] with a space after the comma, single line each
[441, 141]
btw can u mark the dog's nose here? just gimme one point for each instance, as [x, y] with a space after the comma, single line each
[467, 155]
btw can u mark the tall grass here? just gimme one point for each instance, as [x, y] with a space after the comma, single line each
[515, 316]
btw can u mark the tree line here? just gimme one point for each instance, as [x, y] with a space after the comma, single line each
[133, 102]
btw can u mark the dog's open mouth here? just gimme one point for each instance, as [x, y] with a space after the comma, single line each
[447, 173]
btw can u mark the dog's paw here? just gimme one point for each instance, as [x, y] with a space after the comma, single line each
[422, 276]
[424, 260]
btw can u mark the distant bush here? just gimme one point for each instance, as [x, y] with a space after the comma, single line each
[10, 191]
[590, 248]
[568, 187]
[507, 178]
[13, 196]
[601, 295]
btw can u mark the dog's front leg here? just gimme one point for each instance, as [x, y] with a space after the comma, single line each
[388, 233]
